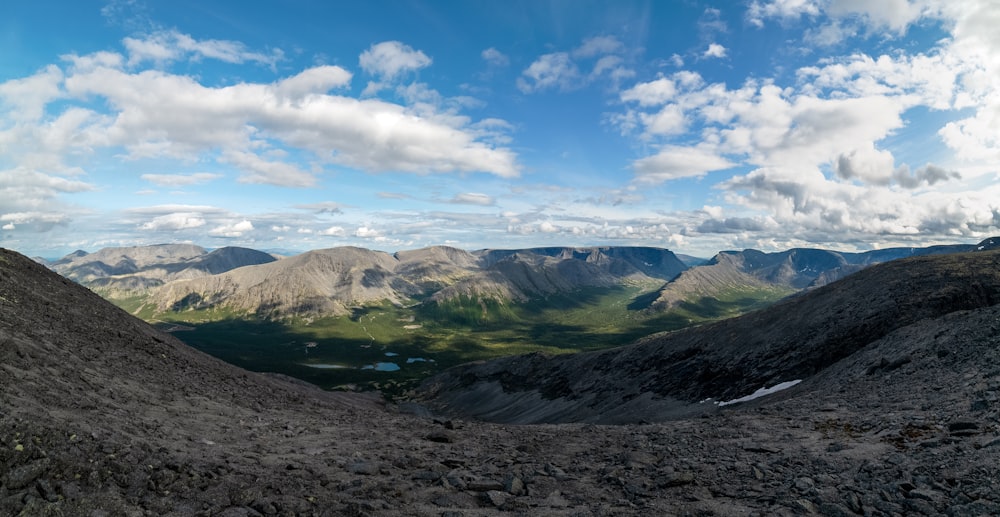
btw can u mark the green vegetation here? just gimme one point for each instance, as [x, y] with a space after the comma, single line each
[345, 352]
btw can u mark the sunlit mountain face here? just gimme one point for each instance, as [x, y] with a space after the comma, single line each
[686, 125]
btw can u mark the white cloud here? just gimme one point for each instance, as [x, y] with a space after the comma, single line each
[180, 180]
[25, 99]
[895, 15]
[784, 10]
[174, 222]
[334, 231]
[237, 229]
[473, 198]
[162, 115]
[165, 46]
[389, 59]
[259, 170]
[715, 50]
[34, 221]
[366, 232]
[317, 80]
[673, 162]
[554, 70]
[494, 57]
[652, 93]
[598, 46]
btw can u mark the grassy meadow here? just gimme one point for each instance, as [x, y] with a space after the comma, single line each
[392, 348]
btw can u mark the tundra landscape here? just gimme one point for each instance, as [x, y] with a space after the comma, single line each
[532, 257]
[894, 412]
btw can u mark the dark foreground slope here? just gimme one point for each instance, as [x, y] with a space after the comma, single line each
[100, 415]
[670, 375]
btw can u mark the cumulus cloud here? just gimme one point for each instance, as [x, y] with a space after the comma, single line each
[232, 230]
[555, 70]
[334, 231]
[317, 80]
[174, 221]
[715, 50]
[390, 59]
[651, 93]
[366, 232]
[784, 10]
[674, 162]
[156, 114]
[562, 70]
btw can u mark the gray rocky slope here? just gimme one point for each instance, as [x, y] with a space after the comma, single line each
[102, 415]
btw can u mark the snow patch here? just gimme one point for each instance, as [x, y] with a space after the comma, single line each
[761, 392]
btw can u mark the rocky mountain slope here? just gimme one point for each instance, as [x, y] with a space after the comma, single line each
[102, 415]
[752, 271]
[139, 268]
[664, 376]
[331, 281]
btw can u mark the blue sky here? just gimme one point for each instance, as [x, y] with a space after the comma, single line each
[695, 126]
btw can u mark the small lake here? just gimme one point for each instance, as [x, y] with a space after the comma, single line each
[325, 366]
[382, 367]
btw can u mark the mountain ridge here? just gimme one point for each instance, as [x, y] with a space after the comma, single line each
[664, 376]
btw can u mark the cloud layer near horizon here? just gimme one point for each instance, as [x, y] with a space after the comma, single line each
[780, 157]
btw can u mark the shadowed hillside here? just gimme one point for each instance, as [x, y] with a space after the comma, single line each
[667, 375]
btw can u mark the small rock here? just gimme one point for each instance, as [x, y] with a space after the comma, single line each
[514, 485]
[803, 484]
[555, 500]
[20, 477]
[484, 485]
[923, 493]
[805, 506]
[761, 448]
[555, 472]
[440, 437]
[426, 475]
[496, 498]
[991, 442]
[366, 468]
[962, 425]
[46, 491]
[679, 479]
[853, 502]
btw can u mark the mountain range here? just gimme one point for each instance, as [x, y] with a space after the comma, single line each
[120, 271]
[330, 282]
[895, 413]
[670, 374]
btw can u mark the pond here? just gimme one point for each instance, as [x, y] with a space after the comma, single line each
[382, 367]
